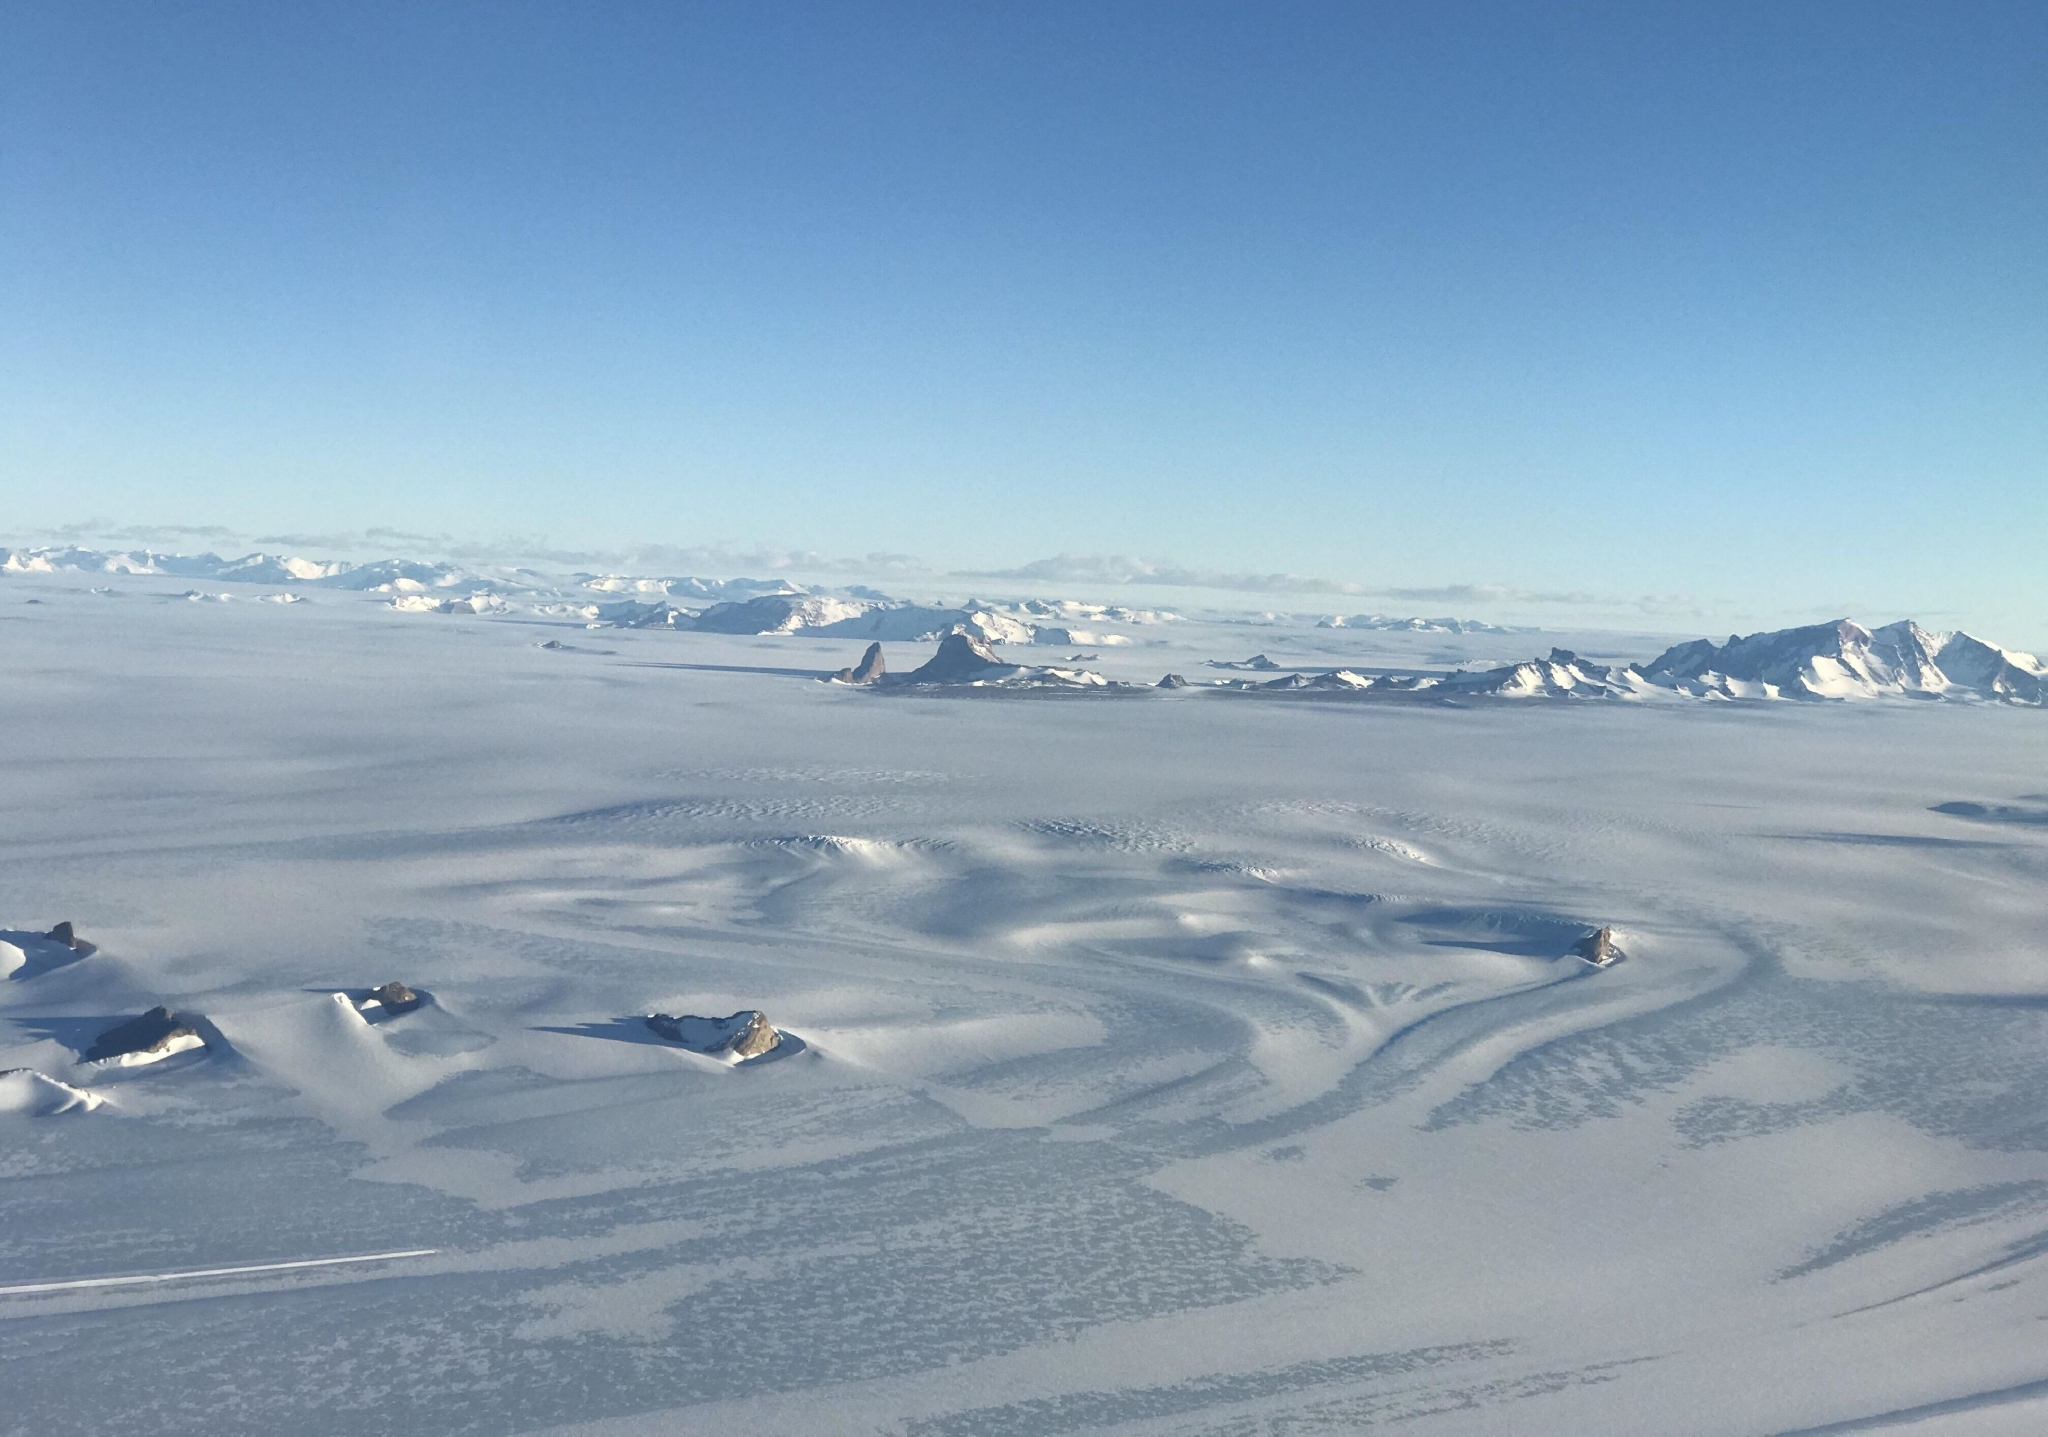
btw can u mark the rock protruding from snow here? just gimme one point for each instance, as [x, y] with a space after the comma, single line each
[68, 936]
[1257, 663]
[966, 658]
[25, 953]
[745, 1034]
[870, 669]
[961, 659]
[1598, 948]
[1173, 681]
[154, 1036]
[1842, 660]
[393, 997]
[38, 1095]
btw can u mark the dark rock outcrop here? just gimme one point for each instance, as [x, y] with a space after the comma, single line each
[63, 933]
[962, 658]
[869, 670]
[1257, 663]
[1598, 948]
[745, 1034]
[396, 997]
[1172, 681]
[156, 1034]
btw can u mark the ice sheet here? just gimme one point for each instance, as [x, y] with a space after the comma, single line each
[1172, 1064]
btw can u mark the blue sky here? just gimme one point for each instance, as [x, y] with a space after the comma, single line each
[1718, 312]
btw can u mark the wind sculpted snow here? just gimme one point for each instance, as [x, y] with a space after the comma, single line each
[1166, 1066]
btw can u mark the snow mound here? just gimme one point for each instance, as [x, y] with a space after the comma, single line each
[1844, 660]
[37, 1095]
[733, 1039]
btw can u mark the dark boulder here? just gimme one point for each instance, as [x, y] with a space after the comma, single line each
[63, 933]
[396, 997]
[1172, 681]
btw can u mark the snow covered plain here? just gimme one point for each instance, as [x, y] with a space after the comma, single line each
[1172, 1063]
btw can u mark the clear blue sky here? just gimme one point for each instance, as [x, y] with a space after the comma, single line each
[1741, 304]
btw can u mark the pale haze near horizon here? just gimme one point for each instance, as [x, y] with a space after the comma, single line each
[1667, 317]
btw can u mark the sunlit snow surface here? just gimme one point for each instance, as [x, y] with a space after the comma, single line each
[1172, 1064]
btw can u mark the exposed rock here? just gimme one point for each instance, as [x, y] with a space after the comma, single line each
[155, 1035]
[869, 670]
[961, 657]
[396, 997]
[62, 933]
[1598, 948]
[1172, 681]
[1257, 662]
[745, 1034]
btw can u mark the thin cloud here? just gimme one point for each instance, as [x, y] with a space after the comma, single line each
[1124, 569]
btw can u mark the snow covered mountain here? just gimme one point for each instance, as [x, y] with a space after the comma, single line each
[1562, 675]
[1838, 660]
[1843, 660]
[398, 575]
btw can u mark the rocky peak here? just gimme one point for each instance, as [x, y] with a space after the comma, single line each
[870, 669]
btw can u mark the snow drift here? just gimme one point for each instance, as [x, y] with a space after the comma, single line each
[38, 1095]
